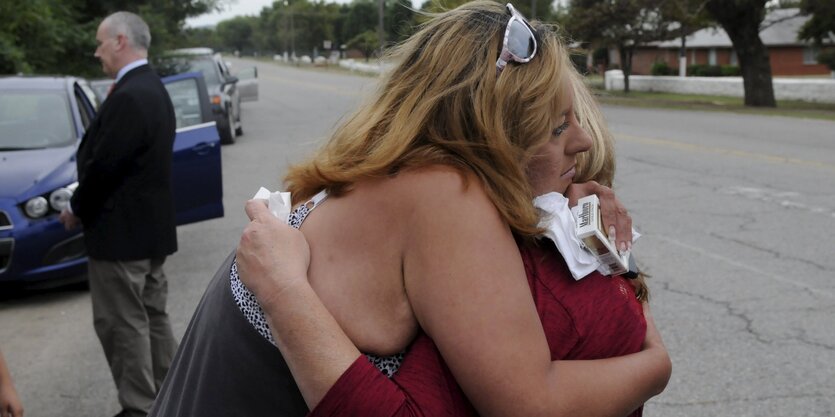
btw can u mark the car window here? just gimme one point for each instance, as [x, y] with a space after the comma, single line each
[82, 111]
[101, 88]
[176, 65]
[32, 120]
[186, 99]
[92, 98]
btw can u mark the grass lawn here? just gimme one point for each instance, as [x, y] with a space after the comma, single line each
[790, 108]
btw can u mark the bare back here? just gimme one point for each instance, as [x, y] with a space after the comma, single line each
[356, 265]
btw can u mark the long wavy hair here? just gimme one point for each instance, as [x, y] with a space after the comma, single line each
[443, 103]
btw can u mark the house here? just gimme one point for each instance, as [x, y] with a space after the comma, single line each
[712, 46]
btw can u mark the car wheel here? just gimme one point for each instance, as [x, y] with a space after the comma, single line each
[240, 129]
[227, 131]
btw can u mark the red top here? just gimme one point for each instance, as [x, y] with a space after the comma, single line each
[594, 318]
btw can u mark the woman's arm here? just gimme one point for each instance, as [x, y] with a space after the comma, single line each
[468, 295]
[465, 281]
[315, 347]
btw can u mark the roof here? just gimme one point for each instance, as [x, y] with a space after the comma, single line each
[191, 51]
[35, 82]
[781, 28]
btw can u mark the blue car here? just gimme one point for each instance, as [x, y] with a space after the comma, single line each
[42, 121]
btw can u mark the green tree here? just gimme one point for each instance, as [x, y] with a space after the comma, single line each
[822, 23]
[741, 20]
[626, 24]
[58, 36]
[236, 34]
[690, 16]
[367, 42]
[41, 36]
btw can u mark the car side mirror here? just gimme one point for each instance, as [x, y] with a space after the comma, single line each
[230, 80]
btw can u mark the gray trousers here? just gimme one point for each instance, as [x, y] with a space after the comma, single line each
[130, 320]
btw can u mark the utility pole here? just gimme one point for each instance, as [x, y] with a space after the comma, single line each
[381, 32]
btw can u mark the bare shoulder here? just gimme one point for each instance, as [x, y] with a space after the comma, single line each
[444, 191]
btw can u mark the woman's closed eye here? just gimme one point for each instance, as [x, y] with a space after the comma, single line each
[561, 128]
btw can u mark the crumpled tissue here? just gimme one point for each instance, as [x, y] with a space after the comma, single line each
[560, 226]
[279, 202]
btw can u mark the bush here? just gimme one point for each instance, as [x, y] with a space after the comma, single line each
[701, 70]
[600, 56]
[730, 71]
[827, 58]
[661, 68]
[579, 61]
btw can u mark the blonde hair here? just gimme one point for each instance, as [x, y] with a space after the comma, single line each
[444, 104]
[598, 163]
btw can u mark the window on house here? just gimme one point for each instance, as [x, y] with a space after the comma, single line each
[734, 58]
[711, 57]
[810, 55]
[692, 57]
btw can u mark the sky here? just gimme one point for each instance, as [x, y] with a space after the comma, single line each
[242, 8]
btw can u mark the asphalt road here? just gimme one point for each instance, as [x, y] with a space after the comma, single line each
[737, 214]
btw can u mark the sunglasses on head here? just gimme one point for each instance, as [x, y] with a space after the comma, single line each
[519, 43]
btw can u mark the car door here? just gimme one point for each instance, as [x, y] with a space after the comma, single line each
[248, 84]
[196, 174]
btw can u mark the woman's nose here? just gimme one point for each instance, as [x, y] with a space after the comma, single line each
[581, 142]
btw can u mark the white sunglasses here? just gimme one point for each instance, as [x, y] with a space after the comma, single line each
[519, 43]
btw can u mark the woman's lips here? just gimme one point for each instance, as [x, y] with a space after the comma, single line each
[568, 175]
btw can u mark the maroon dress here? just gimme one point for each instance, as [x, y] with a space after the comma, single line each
[594, 318]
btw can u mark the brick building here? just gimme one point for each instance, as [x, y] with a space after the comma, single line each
[712, 46]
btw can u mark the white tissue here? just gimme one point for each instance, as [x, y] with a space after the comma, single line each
[278, 202]
[561, 228]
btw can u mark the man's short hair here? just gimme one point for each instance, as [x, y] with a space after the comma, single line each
[132, 26]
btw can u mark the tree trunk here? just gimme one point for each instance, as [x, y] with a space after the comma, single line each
[625, 64]
[741, 20]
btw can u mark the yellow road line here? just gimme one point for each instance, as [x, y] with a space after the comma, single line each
[689, 147]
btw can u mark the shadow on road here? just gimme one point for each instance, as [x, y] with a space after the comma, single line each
[15, 293]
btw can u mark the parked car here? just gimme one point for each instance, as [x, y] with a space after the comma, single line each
[42, 120]
[225, 90]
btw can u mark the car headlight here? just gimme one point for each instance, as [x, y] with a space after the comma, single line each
[36, 207]
[58, 200]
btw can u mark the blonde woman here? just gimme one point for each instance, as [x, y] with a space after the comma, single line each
[416, 206]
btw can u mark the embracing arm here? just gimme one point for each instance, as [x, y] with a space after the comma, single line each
[468, 291]
[272, 262]
[465, 279]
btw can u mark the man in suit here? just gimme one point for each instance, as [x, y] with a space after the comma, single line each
[125, 204]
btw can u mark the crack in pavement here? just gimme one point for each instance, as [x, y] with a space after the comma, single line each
[772, 252]
[729, 309]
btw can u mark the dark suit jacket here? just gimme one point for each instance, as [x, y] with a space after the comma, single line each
[124, 197]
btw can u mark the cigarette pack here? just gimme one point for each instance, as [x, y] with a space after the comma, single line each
[591, 232]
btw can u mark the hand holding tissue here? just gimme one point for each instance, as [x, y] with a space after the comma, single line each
[278, 202]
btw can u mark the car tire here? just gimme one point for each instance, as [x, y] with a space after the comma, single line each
[227, 130]
[240, 129]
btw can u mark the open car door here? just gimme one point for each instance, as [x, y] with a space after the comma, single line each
[196, 172]
[248, 84]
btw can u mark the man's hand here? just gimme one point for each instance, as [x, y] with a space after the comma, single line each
[69, 220]
[616, 219]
